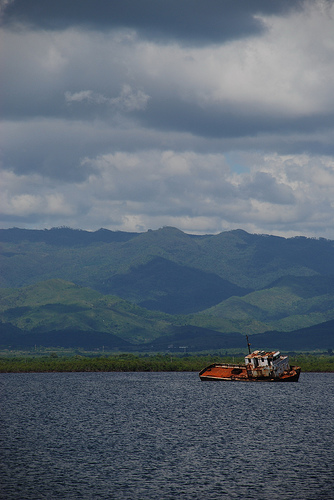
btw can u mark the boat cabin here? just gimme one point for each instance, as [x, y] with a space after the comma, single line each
[261, 364]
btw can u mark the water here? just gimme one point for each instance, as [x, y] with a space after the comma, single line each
[143, 436]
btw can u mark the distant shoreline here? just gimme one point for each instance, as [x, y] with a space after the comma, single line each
[132, 363]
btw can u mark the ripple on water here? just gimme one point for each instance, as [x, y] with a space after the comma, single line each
[143, 436]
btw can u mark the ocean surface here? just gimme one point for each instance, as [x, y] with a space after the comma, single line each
[143, 436]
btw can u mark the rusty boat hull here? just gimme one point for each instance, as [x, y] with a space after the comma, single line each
[239, 373]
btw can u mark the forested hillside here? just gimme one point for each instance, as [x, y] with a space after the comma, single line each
[141, 286]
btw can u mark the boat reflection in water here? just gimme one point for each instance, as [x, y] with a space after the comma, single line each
[259, 366]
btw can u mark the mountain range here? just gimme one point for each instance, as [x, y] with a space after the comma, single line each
[164, 289]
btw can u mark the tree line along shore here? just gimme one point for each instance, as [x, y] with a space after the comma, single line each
[138, 363]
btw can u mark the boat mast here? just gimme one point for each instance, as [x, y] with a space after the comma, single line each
[249, 351]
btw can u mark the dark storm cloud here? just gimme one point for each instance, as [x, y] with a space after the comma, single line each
[228, 119]
[186, 20]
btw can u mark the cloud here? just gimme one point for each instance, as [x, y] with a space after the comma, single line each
[126, 101]
[262, 186]
[25, 198]
[85, 95]
[280, 81]
[118, 115]
[284, 195]
[193, 191]
[191, 21]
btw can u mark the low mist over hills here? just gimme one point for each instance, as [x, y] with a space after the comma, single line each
[64, 286]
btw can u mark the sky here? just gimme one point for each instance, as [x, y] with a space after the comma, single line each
[134, 115]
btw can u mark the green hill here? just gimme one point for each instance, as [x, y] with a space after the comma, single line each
[141, 286]
[59, 313]
[57, 305]
[288, 304]
[248, 261]
[166, 286]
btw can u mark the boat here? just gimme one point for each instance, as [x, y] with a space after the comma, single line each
[260, 366]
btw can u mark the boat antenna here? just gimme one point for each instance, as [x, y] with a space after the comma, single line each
[248, 344]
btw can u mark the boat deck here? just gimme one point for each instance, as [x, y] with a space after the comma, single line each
[224, 372]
